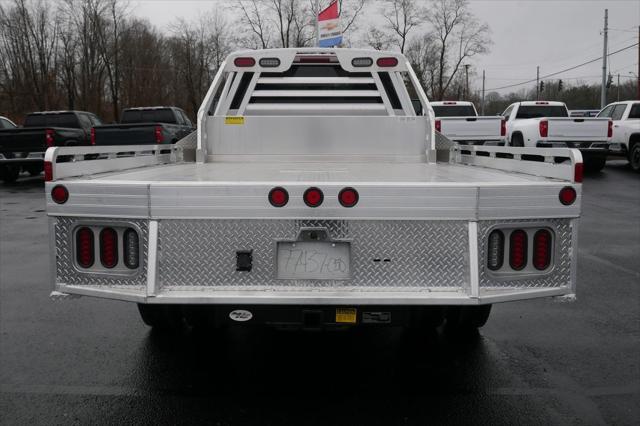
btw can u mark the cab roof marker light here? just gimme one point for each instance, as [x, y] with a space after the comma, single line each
[361, 62]
[244, 62]
[269, 62]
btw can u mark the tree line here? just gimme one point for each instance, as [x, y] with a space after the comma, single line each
[97, 55]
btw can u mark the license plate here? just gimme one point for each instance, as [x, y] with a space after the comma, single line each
[314, 260]
[346, 315]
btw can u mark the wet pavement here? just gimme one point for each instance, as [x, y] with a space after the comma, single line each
[535, 362]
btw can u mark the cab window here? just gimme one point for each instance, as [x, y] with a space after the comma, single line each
[618, 111]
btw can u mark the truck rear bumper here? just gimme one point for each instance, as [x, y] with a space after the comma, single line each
[32, 157]
[393, 263]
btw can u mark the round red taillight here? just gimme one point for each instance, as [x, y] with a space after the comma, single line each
[348, 197]
[59, 194]
[278, 197]
[313, 197]
[567, 195]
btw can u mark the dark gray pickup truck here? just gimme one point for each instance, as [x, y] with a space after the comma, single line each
[22, 148]
[142, 126]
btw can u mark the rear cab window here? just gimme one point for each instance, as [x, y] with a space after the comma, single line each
[454, 111]
[64, 119]
[156, 115]
[541, 111]
[618, 112]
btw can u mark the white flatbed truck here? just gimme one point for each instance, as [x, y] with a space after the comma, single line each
[317, 198]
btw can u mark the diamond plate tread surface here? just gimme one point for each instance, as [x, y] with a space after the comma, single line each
[67, 274]
[423, 255]
[560, 275]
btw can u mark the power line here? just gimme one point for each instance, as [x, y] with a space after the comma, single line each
[564, 70]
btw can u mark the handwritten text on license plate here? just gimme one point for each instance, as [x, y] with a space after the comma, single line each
[314, 260]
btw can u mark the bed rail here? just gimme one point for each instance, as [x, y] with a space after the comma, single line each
[64, 162]
[557, 163]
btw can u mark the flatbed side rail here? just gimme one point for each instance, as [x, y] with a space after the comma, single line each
[557, 163]
[64, 162]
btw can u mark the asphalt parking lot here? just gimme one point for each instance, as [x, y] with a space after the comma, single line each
[535, 362]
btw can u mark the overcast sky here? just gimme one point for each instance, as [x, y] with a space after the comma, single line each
[555, 34]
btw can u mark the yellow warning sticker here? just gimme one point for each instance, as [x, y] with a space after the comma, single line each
[346, 315]
[234, 120]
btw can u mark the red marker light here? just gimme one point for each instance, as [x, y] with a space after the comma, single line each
[387, 62]
[93, 136]
[313, 197]
[59, 194]
[278, 197]
[348, 197]
[438, 125]
[48, 171]
[567, 195]
[244, 62]
[578, 172]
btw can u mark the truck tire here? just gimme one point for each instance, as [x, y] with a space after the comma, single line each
[10, 174]
[426, 317]
[594, 164]
[34, 170]
[165, 318]
[467, 318]
[517, 140]
[634, 156]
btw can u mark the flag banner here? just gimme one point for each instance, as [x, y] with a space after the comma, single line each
[329, 31]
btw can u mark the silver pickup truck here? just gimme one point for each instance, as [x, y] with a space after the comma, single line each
[318, 198]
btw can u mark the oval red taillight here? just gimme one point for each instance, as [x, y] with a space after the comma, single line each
[348, 197]
[59, 194]
[84, 247]
[387, 62]
[244, 62]
[544, 128]
[518, 249]
[542, 249]
[313, 197]
[109, 247]
[93, 136]
[567, 195]
[278, 197]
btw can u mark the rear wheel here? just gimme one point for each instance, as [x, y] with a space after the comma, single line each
[34, 170]
[517, 140]
[166, 318]
[10, 173]
[467, 317]
[594, 164]
[634, 156]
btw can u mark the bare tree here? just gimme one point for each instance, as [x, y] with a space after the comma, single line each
[401, 17]
[253, 18]
[459, 37]
[422, 54]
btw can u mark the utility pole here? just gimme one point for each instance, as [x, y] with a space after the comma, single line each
[618, 89]
[603, 90]
[538, 83]
[638, 82]
[466, 90]
[482, 105]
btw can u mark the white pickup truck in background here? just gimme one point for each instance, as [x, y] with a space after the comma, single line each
[459, 122]
[626, 130]
[546, 124]
[316, 199]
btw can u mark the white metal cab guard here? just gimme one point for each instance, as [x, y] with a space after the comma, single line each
[319, 188]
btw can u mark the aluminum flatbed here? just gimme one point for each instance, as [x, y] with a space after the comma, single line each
[316, 184]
